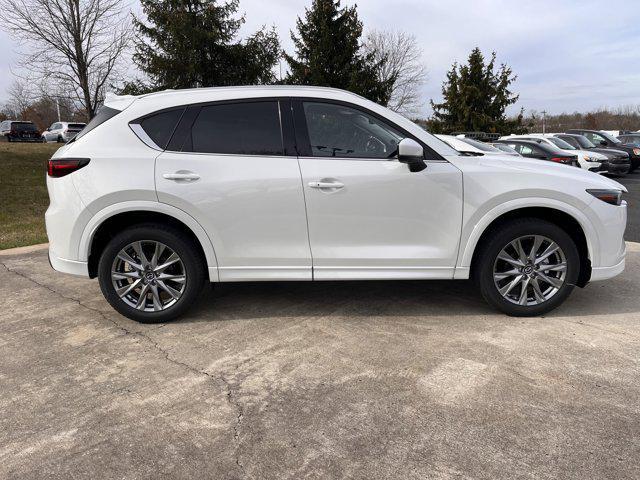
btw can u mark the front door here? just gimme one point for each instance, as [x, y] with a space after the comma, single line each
[369, 216]
[232, 173]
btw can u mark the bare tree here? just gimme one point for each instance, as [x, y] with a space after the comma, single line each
[20, 98]
[401, 58]
[75, 45]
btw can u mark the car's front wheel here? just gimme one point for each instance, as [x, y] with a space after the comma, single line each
[151, 273]
[527, 267]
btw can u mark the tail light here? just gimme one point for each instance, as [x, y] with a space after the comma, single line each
[59, 167]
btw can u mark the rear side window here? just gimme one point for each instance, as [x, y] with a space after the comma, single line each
[251, 128]
[104, 114]
[160, 126]
[23, 126]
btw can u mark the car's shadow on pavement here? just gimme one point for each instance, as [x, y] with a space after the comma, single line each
[237, 301]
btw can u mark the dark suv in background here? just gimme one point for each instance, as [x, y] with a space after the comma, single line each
[19, 131]
[617, 163]
[603, 139]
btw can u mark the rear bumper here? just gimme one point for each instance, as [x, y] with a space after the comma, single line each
[72, 267]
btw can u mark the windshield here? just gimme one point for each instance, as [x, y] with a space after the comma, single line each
[611, 138]
[584, 142]
[23, 127]
[480, 145]
[558, 142]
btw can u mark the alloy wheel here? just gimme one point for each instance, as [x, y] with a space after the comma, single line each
[530, 270]
[148, 276]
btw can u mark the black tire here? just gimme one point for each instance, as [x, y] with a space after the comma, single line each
[182, 245]
[59, 139]
[498, 239]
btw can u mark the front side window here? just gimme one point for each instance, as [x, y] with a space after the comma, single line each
[595, 138]
[248, 128]
[339, 131]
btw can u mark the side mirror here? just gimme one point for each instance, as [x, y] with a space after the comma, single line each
[411, 153]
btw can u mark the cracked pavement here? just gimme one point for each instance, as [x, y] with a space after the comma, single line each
[317, 380]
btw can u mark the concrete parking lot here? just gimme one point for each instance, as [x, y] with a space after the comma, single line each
[323, 380]
[632, 182]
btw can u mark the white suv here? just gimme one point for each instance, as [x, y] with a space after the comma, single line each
[162, 192]
[62, 132]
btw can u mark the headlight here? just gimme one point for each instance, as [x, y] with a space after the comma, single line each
[613, 197]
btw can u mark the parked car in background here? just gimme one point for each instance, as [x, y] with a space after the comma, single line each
[540, 150]
[462, 147]
[19, 131]
[594, 162]
[504, 148]
[630, 138]
[162, 192]
[485, 147]
[618, 162]
[62, 132]
[603, 139]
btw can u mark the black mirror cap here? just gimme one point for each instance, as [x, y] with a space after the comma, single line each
[415, 164]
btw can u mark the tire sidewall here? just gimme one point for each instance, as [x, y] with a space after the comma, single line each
[509, 233]
[182, 246]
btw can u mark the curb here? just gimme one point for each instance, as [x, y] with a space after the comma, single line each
[21, 250]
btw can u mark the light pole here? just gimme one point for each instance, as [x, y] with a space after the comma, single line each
[544, 117]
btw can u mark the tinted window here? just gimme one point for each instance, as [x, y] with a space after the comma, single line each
[571, 141]
[251, 128]
[160, 126]
[338, 131]
[76, 125]
[104, 114]
[23, 126]
[560, 143]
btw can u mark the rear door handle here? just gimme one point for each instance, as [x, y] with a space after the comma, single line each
[181, 176]
[326, 184]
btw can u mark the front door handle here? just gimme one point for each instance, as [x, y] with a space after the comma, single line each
[188, 176]
[326, 184]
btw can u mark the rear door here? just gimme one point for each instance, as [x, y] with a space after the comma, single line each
[369, 216]
[231, 167]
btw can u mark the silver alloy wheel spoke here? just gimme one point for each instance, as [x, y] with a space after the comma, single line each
[524, 276]
[148, 276]
[508, 258]
[171, 291]
[524, 293]
[124, 256]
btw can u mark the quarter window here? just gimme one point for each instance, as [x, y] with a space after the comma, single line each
[248, 128]
[160, 126]
[339, 131]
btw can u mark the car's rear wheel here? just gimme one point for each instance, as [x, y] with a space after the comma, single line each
[527, 267]
[151, 273]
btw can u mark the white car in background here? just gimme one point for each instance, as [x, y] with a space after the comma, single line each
[163, 192]
[470, 146]
[62, 132]
[592, 161]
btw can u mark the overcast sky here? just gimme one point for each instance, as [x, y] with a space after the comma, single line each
[571, 55]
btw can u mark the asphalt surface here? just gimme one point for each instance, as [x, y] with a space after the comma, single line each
[317, 380]
[632, 182]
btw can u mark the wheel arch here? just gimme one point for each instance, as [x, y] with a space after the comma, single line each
[574, 222]
[115, 218]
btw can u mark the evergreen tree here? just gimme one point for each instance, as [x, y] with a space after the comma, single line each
[328, 53]
[192, 43]
[476, 96]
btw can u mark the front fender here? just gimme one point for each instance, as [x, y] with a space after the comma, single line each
[478, 223]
